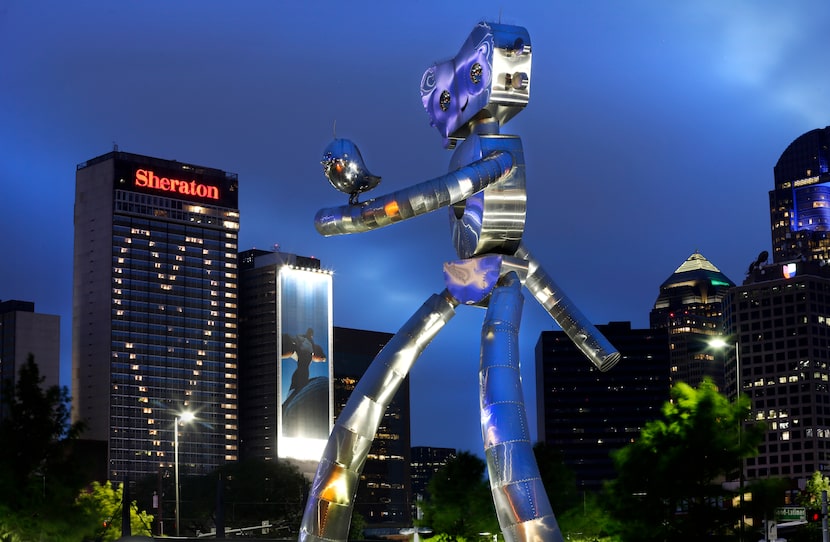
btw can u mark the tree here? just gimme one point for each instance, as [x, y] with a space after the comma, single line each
[101, 507]
[460, 504]
[811, 496]
[588, 520]
[669, 476]
[33, 432]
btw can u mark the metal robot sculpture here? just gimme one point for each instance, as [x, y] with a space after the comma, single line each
[468, 99]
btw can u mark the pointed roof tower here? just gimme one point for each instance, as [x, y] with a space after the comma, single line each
[695, 283]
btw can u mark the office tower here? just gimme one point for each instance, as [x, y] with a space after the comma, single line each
[283, 296]
[154, 328]
[587, 414]
[800, 202]
[778, 320]
[24, 332]
[690, 306]
[780, 326]
[426, 461]
[383, 494]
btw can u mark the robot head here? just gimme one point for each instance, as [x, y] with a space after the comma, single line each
[488, 78]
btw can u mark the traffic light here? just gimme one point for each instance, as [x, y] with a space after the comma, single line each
[813, 515]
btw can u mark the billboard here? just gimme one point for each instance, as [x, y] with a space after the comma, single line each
[305, 391]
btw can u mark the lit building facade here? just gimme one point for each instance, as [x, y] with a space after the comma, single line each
[778, 320]
[800, 201]
[586, 414]
[426, 461]
[690, 307]
[154, 330]
[23, 332]
[384, 491]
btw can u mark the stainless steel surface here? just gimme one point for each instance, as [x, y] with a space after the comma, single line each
[489, 77]
[331, 499]
[468, 98]
[344, 168]
[582, 332]
[493, 219]
[522, 506]
[416, 200]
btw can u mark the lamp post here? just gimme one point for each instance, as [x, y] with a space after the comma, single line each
[720, 344]
[184, 417]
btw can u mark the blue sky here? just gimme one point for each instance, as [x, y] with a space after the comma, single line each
[651, 132]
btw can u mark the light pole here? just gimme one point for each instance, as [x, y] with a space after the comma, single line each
[720, 344]
[184, 417]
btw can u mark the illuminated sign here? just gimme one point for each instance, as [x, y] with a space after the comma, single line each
[145, 178]
[788, 270]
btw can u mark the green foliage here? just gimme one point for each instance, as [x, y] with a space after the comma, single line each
[32, 463]
[357, 526]
[588, 520]
[558, 479]
[460, 504]
[668, 478]
[811, 496]
[100, 505]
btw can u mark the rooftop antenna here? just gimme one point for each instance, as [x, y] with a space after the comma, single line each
[115, 146]
[334, 129]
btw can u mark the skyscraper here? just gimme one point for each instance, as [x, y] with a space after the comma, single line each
[586, 414]
[778, 320]
[154, 328]
[383, 494]
[690, 306]
[800, 202]
[22, 332]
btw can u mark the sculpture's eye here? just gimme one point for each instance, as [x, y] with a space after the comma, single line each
[444, 101]
[475, 73]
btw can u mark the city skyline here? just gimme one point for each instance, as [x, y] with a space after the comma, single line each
[651, 132]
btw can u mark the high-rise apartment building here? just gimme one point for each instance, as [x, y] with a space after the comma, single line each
[586, 414]
[690, 306]
[154, 329]
[23, 332]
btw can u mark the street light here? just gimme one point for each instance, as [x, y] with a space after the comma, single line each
[720, 343]
[184, 417]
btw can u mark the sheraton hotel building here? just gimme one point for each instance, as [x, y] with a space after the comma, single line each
[154, 327]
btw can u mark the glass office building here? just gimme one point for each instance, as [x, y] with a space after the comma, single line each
[154, 329]
[690, 306]
[800, 201]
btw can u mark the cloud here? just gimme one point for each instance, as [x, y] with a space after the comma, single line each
[769, 49]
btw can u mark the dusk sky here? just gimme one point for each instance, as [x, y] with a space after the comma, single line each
[652, 132]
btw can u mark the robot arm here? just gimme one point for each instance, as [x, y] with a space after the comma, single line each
[416, 200]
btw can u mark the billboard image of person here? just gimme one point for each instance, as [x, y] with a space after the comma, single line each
[305, 389]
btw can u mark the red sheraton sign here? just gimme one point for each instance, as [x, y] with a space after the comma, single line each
[145, 178]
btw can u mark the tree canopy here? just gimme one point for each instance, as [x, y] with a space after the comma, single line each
[460, 504]
[670, 476]
[33, 433]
